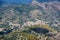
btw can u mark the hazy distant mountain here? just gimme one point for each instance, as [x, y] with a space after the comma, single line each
[46, 0]
[17, 1]
[27, 19]
[48, 12]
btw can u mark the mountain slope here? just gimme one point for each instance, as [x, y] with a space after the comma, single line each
[48, 12]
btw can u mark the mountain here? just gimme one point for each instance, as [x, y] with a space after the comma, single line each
[17, 1]
[46, 0]
[29, 20]
[48, 12]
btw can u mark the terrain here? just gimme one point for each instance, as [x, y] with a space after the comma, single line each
[34, 21]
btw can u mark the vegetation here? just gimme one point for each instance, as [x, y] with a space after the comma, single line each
[19, 35]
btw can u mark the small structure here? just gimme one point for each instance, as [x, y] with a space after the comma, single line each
[14, 25]
[1, 29]
[29, 23]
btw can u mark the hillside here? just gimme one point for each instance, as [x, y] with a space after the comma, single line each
[33, 21]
